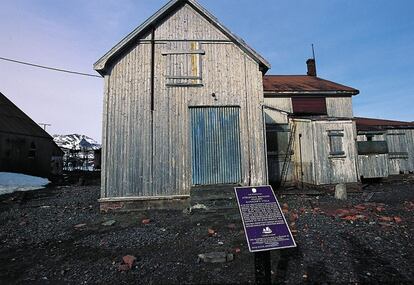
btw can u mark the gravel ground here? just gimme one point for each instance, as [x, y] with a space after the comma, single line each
[56, 235]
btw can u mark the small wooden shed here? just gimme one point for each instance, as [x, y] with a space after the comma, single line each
[24, 146]
[399, 139]
[182, 108]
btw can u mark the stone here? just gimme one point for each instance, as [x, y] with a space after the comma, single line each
[108, 223]
[79, 226]
[198, 207]
[215, 257]
[129, 260]
[211, 232]
[397, 220]
[340, 191]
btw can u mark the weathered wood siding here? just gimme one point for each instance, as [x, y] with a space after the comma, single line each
[148, 153]
[335, 169]
[303, 152]
[335, 106]
[373, 166]
[339, 107]
[275, 117]
[282, 103]
[401, 150]
[187, 24]
[410, 143]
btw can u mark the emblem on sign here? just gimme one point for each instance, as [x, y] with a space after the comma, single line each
[267, 230]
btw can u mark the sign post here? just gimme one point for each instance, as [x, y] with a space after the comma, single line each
[265, 226]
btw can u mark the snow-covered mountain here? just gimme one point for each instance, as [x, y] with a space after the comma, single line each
[76, 141]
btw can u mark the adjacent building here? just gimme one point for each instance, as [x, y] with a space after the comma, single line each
[310, 129]
[385, 147]
[24, 146]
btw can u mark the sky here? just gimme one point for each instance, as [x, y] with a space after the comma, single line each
[368, 45]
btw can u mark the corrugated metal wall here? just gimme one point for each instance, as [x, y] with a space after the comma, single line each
[215, 145]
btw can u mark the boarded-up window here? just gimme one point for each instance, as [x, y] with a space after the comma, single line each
[397, 145]
[309, 105]
[184, 62]
[336, 146]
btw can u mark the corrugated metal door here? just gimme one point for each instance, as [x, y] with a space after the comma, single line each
[215, 145]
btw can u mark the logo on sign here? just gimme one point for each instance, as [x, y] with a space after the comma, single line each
[254, 190]
[267, 230]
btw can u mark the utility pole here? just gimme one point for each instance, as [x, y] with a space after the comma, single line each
[44, 125]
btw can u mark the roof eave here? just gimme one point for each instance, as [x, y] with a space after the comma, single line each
[336, 93]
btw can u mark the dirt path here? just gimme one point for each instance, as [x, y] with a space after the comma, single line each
[56, 235]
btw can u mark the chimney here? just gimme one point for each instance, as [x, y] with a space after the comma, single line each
[311, 67]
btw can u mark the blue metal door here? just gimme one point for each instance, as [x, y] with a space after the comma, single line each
[215, 145]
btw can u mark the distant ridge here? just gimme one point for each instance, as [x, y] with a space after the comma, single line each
[76, 142]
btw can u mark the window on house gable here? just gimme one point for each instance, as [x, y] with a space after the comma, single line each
[184, 62]
[32, 151]
[336, 144]
[309, 105]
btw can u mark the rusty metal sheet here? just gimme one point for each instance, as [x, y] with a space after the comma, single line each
[303, 83]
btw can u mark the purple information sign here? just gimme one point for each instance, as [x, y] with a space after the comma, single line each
[264, 223]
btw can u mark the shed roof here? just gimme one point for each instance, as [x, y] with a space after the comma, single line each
[15, 121]
[368, 124]
[169, 8]
[304, 85]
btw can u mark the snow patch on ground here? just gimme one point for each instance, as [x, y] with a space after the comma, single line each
[12, 182]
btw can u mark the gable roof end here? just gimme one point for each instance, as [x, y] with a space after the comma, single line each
[15, 121]
[170, 7]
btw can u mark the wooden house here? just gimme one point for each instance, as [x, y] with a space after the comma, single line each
[182, 108]
[390, 144]
[310, 129]
[24, 146]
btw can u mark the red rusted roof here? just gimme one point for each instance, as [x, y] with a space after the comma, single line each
[291, 84]
[364, 124]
